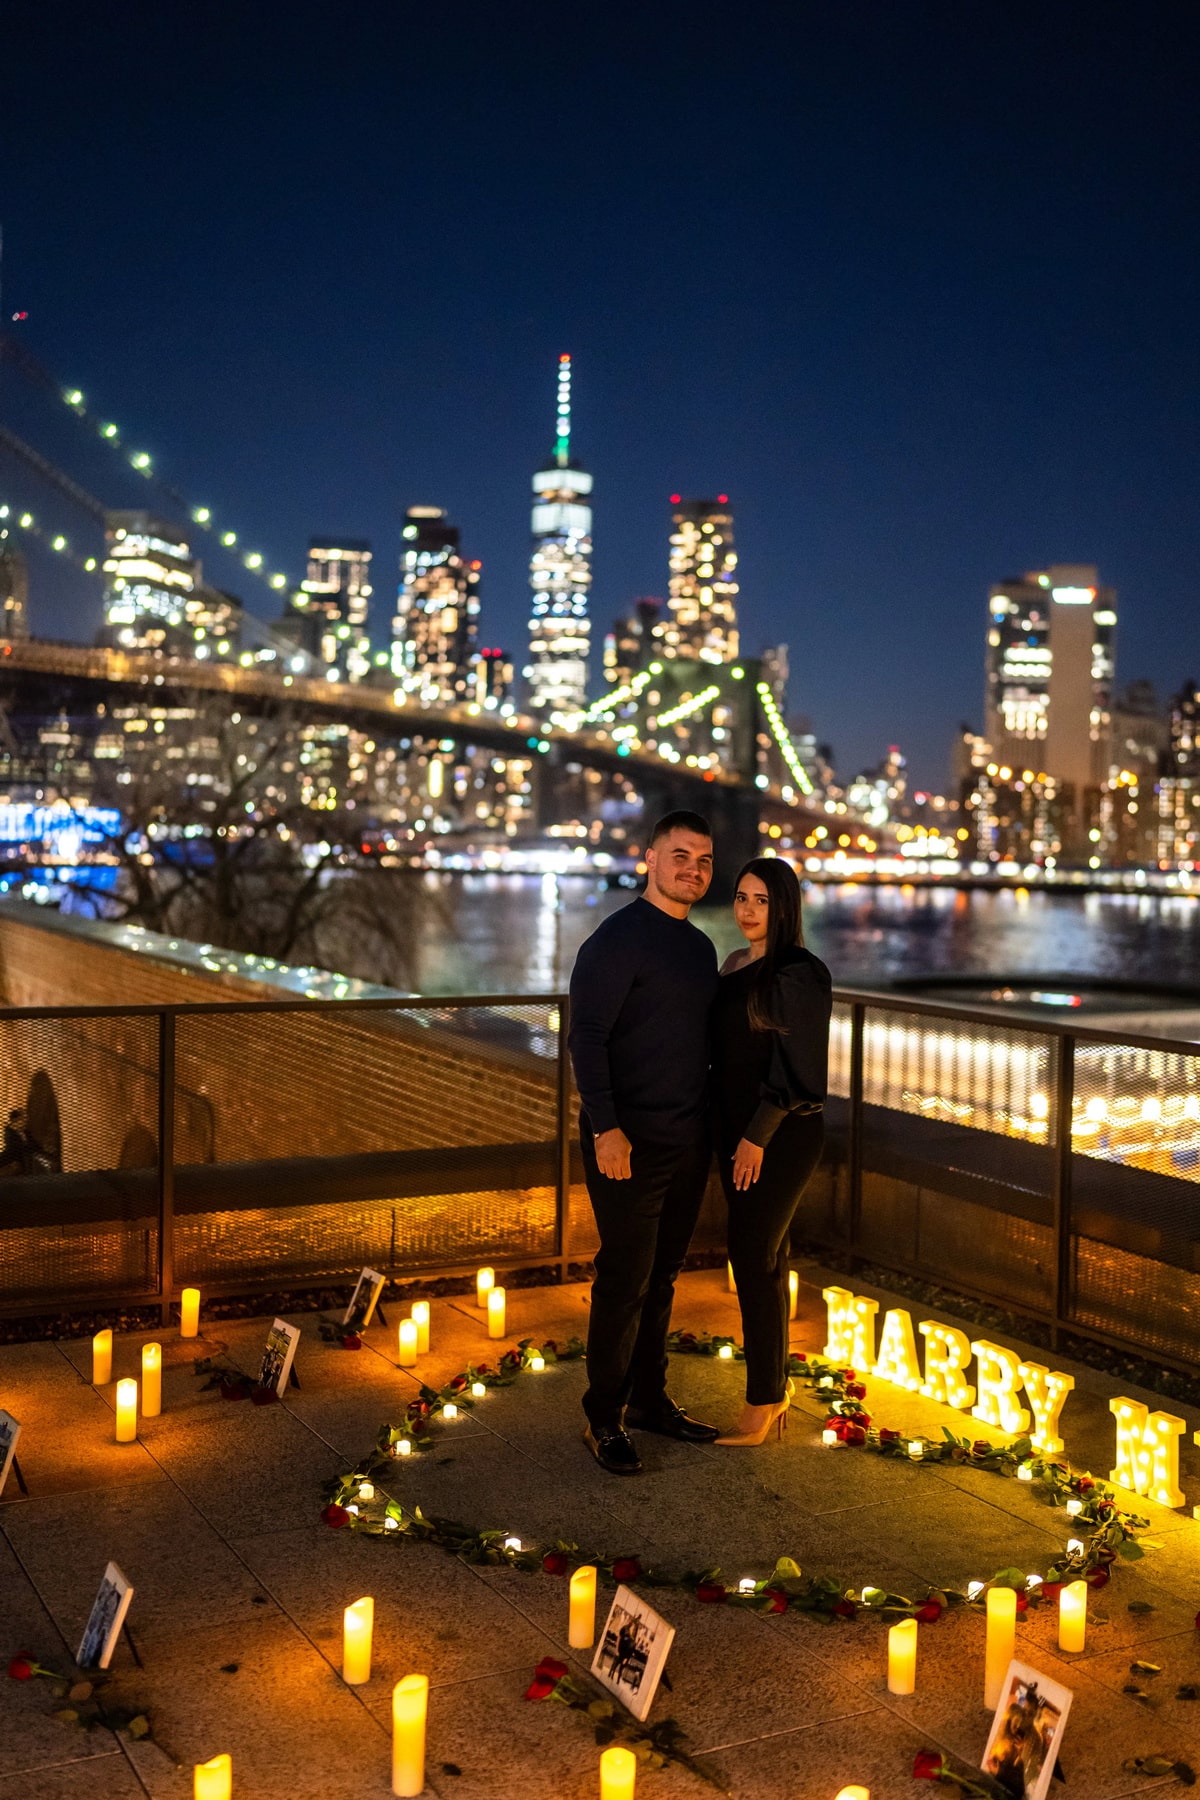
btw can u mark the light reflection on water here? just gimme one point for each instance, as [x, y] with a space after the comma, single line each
[519, 934]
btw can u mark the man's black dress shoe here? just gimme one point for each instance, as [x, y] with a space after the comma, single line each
[614, 1451]
[671, 1421]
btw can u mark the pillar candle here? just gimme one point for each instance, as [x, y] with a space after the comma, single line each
[1072, 1616]
[793, 1293]
[495, 1311]
[189, 1312]
[485, 1281]
[410, 1704]
[729, 1278]
[358, 1625]
[102, 1359]
[618, 1773]
[126, 1410]
[151, 1380]
[213, 1780]
[407, 1351]
[902, 1657]
[582, 1630]
[854, 1793]
[420, 1314]
[1001, 1642]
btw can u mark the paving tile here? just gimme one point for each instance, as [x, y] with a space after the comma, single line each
[105, 1776]
[67, 1440]
[872, 1749]
[247, 1468]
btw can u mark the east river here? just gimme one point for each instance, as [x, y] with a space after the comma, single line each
[518, 934]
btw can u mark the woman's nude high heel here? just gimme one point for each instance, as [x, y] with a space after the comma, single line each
[750, 1438]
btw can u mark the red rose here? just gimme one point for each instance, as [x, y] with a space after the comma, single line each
[21, 1668]
[336, 1515]
[556, 1562]
[551, 1667]
[981, 1447]
[1050, 1590]
[928, 1765]
[352, 1341]
[800, 1356]
[627, 1568]
[485, 1369]
[540, 1688]
[1084, 1483]
[264, 1396]
[778, 1600]
[511, 1359]
[458, 1384]
[711, 1593]
[1098, 1578]
[849, 1374]
[687, 1340]
[856, 1390]
[551, 1344]
[1196, 1621]
[1022, 1603]
[853, 1434]
[846, 1609]
[233, 1389]
[929, 1613]
[888, 1437]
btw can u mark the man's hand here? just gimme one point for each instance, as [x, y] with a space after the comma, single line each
[613, 1150]
[747, 1164]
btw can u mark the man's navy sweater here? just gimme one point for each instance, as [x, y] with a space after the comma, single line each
[641, 992]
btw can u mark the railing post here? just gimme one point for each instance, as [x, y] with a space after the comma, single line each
[854, 1152]
[166, 1163]
[1064, 1097]
[562, 1197]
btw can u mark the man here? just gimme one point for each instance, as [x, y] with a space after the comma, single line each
[641, 991]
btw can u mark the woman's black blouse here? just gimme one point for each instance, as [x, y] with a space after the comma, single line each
[762, 1076]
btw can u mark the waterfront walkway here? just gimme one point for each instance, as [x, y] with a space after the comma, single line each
[215, 1516]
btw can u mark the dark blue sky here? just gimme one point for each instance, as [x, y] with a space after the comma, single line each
[917, 285]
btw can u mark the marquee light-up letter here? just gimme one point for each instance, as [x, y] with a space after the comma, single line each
[1147, 1451]
[897, 1359]
[851, 1327]
[1047, 1390]
[947, 1353]
[998, 1384]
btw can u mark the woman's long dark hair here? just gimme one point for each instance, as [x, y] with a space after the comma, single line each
[785, 930]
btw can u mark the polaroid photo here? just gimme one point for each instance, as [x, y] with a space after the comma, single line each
[10, 1431]
[1026, 1733]
[278, 1356]
[632, 1650]
[361, 1309]
[107, 1617]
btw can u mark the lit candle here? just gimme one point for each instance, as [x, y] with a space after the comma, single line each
[902, 1657]
[1001, 1642]
[537, 1363]
[485, 1281]
[618, 1773]
[729, 1278]
[126, 1410]
[1024, 1473]
[420, 1313]
[410, 1703]
[366, 1490]
[407, 1351]
[189, 1312]
[854, 1793]
[151, 1380]
[213, 1780]
[478, 1389]
[102, 1359]
[358, 1624]
[747, 1584]
[449, 1411]
[1074, 1507]
[916, 1449]
[581, 1633]
[829, 1436]
[495, 1312]
[402, 1447]
[1072, 1616]
[793, 1293]
[726, 1353]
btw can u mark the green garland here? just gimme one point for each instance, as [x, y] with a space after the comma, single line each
[354, 1502]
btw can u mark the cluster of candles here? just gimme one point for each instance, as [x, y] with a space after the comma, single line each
[127, 1388]
[1000, 1643]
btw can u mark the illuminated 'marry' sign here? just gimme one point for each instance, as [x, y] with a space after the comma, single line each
[1147, 1454]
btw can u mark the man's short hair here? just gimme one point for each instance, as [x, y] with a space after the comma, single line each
[680, 821]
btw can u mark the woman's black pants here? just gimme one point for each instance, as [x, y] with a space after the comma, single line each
[760, 1219]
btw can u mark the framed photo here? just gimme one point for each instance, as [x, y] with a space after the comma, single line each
[365, 1299]
[632, 1650]
[10, 1431]
[1026, 1733]
[278, 1356]
[107, 1617]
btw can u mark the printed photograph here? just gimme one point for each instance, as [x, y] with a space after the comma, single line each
[632, 1650]
[278, 1354]
[1026, 1732]
[361, 1309]
[105, 1621]
[10, 1431]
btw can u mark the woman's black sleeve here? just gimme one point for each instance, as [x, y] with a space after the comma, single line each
[801, 1001]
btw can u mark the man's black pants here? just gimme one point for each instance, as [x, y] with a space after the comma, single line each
[645, 1226]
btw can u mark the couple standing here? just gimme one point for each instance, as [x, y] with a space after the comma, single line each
[671, 1057]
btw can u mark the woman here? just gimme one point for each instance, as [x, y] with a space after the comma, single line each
[770, 1060]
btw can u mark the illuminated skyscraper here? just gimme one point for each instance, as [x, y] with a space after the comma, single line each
[1050, 674]
[560, 573]
[150, 575]
[437, 615]
[332, 607]
[14, 593]
[702, 622]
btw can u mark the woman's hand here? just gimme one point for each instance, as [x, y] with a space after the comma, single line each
[747, 1163]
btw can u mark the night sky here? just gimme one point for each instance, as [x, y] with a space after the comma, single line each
[918, 286]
